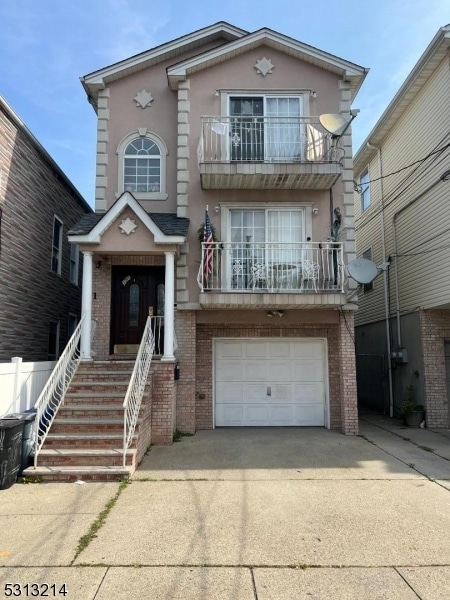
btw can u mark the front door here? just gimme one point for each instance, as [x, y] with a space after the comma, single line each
[137, 292]
[247, 129]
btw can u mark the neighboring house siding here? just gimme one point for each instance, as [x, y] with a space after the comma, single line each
[32, 193]
[424, 280]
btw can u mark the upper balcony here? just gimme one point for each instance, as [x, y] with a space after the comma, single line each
[287, 153]
[271, 275]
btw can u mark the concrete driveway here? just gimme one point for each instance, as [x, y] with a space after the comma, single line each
[254, 514]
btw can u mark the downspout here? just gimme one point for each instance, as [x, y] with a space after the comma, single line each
[444, 177]
[385, 276]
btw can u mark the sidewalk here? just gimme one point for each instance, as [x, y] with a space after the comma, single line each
[261, 514]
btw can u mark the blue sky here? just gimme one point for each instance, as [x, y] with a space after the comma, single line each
[47, 45]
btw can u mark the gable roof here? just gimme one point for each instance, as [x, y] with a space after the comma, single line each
[97, 80]
[436, 51]
[348, 70]
[166, 228]
[235, 41]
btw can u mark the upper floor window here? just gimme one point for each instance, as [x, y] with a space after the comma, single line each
[74, 261]
[364, 183]
[57, 246]
[142, 166]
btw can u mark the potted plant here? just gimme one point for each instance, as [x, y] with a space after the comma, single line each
[412, 414]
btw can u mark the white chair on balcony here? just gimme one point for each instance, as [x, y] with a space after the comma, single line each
[258, 276]
[310, 275]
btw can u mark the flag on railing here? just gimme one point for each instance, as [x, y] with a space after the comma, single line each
[208, 246]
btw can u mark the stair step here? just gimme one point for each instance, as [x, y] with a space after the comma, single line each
[87, 457]
[90, 410]
[86, 425]
[85, 440]
[80, 473]
[88, 394]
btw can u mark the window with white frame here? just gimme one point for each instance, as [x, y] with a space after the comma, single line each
[364, 183]
[57, 246]
[265, 241]
[267, 128]
[53, 340]
[142, 166]
[74, 263]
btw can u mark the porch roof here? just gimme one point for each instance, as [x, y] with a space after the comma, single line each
[168, 223]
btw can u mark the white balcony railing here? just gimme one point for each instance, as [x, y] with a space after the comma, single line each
[307, 267]
[266, 139]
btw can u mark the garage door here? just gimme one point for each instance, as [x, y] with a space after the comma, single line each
[267, 382]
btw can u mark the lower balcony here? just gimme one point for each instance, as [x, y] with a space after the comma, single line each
[275, 275]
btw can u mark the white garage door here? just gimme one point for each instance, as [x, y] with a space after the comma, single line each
[270, 382]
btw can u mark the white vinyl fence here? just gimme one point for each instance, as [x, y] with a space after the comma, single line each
[21, 383]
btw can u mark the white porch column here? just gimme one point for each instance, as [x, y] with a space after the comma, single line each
[169, 314]
[86, 307]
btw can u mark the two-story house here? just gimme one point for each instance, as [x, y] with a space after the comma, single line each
[224, 210]
[401, 208]
[40, 272]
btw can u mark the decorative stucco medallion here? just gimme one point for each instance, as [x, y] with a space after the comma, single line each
[143, 99]
[264, 66]
[128, 226]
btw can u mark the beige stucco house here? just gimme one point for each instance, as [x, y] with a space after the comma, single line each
[401, 208]
[257, 329]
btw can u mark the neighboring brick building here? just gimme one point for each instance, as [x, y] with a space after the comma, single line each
[40, 272]
[264, 333]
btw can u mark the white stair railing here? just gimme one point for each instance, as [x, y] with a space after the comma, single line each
[54, 391]
[136, 387]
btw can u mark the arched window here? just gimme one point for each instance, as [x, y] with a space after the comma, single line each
[142, 166]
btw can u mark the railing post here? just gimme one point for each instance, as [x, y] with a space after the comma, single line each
[169, 313]
[86, 307]
[17, 360]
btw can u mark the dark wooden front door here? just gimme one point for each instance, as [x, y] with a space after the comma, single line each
[137, 292]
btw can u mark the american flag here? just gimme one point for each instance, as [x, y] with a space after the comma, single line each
[208, 246]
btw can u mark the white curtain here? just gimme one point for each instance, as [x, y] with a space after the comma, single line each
[315, 146]
[283, 140]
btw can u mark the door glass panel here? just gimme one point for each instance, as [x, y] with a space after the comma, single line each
[247, 129]
[283, 130]
[133, 310]
[160, 299]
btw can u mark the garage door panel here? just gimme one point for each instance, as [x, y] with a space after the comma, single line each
[309, 415]
[230, 393]
[255, 370]
[229, 349]
[308, 370]
[255, 350]
[230, 370]
[255, 392]
[308, 393]
[257, 415]
[280, 350]
[282, 392]
[230, 415]
[277, 370]
[308, 349]
[282, 415]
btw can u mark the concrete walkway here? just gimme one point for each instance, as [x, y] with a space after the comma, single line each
[259, 514]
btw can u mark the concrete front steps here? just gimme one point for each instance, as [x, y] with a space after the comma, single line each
[85, 441]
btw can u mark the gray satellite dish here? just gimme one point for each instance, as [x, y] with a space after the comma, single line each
[362, 270]
[334, 124]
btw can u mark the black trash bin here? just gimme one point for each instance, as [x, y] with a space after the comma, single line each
[28, 417]
[11, 432]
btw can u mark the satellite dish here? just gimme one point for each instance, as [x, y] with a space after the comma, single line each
[362, 270]
[334, 124]
[219, 128]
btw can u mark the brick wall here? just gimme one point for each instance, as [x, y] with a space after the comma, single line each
[163, 402]
[341, 378]
[31, 193]
[347, 368]
[145, 427]
[435, 329]
[186, 357]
